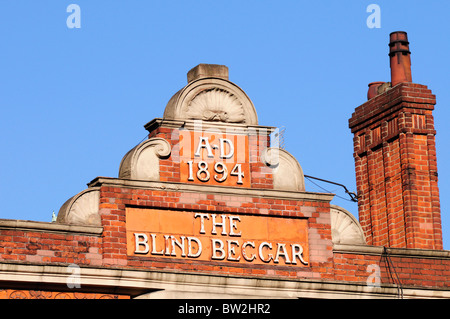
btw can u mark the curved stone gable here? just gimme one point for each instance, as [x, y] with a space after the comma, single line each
[210, 96]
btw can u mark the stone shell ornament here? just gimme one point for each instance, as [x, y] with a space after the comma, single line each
[216, 105]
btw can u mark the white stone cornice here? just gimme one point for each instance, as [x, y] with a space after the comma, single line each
[49, 227]
[209, 189]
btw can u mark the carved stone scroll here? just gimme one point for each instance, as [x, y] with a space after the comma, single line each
[142, 162]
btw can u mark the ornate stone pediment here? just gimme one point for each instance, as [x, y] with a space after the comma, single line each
[209, 96]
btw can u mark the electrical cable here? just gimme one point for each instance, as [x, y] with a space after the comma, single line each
[352, 195]
[329, 191]
[389, 263]
[146, 136]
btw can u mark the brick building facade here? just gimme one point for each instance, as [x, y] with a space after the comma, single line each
[208, 206]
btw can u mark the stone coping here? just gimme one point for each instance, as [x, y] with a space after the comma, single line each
[209, 189]
[393, 252]
[231, 128]
[49, 227]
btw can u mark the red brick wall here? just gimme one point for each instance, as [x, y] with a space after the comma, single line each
[48, 248]
[406, 270]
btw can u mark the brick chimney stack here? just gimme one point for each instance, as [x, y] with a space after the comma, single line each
[395, 158]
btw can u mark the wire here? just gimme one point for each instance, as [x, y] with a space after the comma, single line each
[330, 192]
[389, 262]
[146, 136]
[352, 195]
[325, 190]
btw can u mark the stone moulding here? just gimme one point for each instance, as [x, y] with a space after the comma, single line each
[214, 100]
[287, 172]
[142, 162]
[393, 252]
[227, 128]
[27, 225]
[209, 189]
[81, 209]
[345, 228]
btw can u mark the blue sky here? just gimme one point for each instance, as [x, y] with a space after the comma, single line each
[74, 101]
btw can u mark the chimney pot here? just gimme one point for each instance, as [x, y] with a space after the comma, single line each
[400, 58]
[373, 89]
